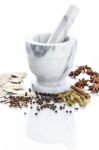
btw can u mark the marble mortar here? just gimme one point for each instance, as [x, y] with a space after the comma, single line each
[50, 63]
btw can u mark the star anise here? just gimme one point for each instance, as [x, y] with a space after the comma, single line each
[95, 73]
[94, 79]
[94, 88]
[90, 72]
[84, 68]
[74, 73]
[81, 83]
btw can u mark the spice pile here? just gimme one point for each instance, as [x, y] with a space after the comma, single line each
[11, 84]
[74, 96]
[92, 83]
[13, 93]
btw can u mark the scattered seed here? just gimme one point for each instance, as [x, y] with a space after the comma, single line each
[70, 111]
[61, 107]
[76, 108]
[29, 89]
[38, 109]
[31, 107]
[39, 102]
[56, 111]
[36, 114]
[24, 113]
[26, 94]
[66, 111]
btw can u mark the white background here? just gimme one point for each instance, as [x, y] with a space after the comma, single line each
[18, 19]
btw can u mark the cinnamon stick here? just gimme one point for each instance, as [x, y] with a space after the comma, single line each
[81, 91]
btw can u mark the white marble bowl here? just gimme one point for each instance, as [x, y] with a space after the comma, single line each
[50, 63]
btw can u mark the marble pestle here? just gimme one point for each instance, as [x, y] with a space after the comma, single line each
[64, 26]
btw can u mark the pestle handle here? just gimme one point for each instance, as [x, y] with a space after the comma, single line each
[64, 26]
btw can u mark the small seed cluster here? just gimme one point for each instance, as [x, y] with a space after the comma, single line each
[18, 101]
[50, 101]
[92, 83]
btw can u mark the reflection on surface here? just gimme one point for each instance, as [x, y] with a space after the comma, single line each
[51, 128]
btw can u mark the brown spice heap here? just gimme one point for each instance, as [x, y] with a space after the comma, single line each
[94, 78]
[84, 68]
[79, 70]
[17, 101]
[75, 73]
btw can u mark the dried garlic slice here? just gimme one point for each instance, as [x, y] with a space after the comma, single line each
[19, 74]
[13, 86]
[16, 80]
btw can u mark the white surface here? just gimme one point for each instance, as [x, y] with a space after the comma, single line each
[20, 18]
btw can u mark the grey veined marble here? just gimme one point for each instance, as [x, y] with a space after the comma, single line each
[50, 63]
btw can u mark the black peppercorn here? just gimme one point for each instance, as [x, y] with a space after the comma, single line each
[36, 114]
[25, 93]
[61, 107]
[29, 89]
[24, 113]
[66, 111]
[76, 108]
[55, 111]
[31, 107]
[70, 111]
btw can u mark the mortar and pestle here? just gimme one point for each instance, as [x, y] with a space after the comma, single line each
[51, 56]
